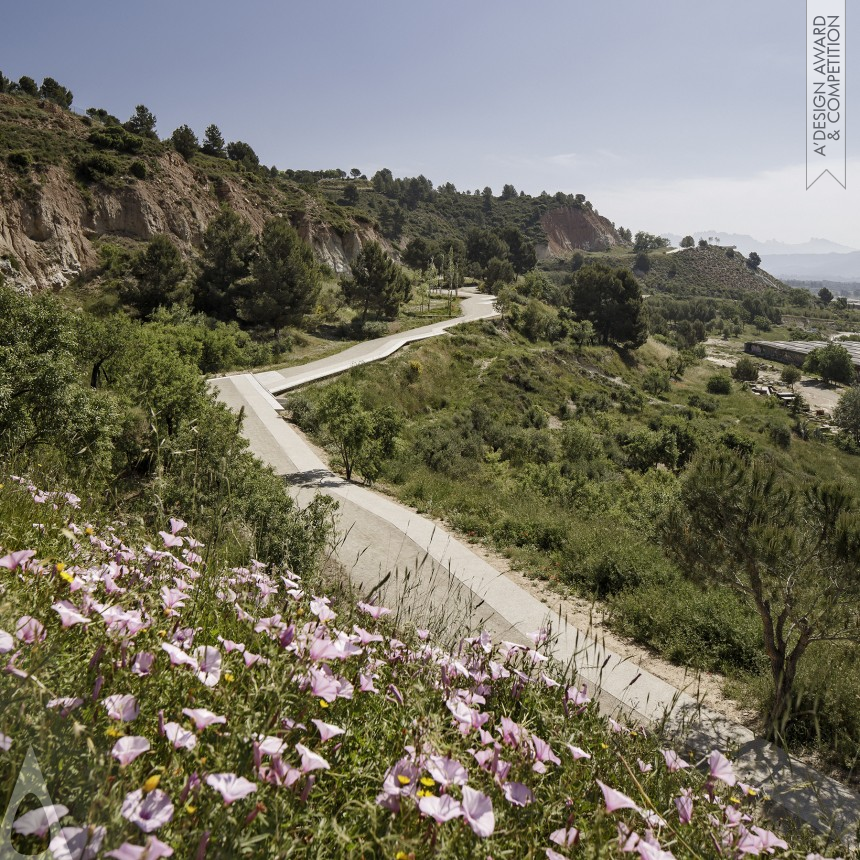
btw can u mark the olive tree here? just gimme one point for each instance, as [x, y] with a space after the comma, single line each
[791, 549]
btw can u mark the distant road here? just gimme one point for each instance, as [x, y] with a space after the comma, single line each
[474, 306]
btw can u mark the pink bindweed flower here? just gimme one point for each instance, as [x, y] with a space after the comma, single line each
[319, 606]
[684, 805]
[577, 752]
[5, 742]
[209, 665]
[327, 730]
[7, 643]
[375, 612]
[553, 855]
[17, 559]
[271, 745]
[517, 793]
[719, 767]
[440, 809]
[447, 771]
[148, 812]
[478, 812]
[178, 657]
[66, 705]
[644, 767]
[565, 837]
[769, 840]
[366, 683]
[29, 630]
[323, 686]
[230, 787]
[203, 718]
[170, 540]
[127, 749]
[543, 753]
[154, 849]
[124, 708]
[77, 843]
[69, 614]
[179, 736]
[39, 821]
[310, 760]
[141, 665]
[364, 637]
[176, 525]
[674, 762]
[616, 799]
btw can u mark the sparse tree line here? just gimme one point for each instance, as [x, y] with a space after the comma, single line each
[271, 281]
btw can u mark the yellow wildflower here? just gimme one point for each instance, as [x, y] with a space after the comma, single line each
[114, 732]
[403, 780]
[152, 783]
[88, 530]
[228, 676]
[323, 703]
[428, 781]
[190, 809]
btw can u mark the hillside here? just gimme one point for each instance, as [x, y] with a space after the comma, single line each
[68, 181]
[707, 271]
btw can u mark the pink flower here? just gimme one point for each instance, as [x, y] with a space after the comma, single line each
[440, 809]
[154, 849]
[123, 708]
[319, 606]
[209, 665]
[176, 525]
[69, 613]
[511, 733]
[543, 753]
[478, 812]
[375, 612]
[142, 663]
[674, 762]
[170, 540]
[39, 821]
[272, 746]
[148, 812]
[517, 793]
[5, 742]
[684, 805]
[327, 730]
[577, 752]
[17, 559]
[7, 643]
[230, 786]
[179, 736]
[447, 771]
[127, 749]
[178, 657]
[564, 837]
[66, 705]
[721, 768]
[644, 767]
[203, 718]
[323, 686]
[553, 855]
[310, 760]
[77, 843]
[615, 799]
[29, 630]
[769, 841]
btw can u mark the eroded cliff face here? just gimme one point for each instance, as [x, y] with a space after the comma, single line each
[49, 225]
[570, 228]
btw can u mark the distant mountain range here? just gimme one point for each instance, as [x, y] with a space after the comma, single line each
[817, 259]
[771, 247]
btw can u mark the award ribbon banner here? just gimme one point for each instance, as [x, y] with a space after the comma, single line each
[825, 91]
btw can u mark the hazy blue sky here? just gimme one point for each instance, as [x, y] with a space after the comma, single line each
[668, 115]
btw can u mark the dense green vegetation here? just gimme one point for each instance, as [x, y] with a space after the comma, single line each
[572, 459]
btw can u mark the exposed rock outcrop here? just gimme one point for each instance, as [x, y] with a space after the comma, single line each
[571, 228]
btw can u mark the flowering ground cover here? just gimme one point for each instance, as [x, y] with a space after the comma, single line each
[177, 707]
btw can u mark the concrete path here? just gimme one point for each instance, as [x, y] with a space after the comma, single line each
[427, 574]
[474, 306]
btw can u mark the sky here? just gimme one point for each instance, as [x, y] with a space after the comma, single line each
[670, 116]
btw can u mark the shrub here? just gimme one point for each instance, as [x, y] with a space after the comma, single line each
[711, 630]
[96, 167]
[115, 137]
[719, 384]
[656, 381]
[746, 370]
[19, 160]
[780, 435]
[699, 401]
[137, 169]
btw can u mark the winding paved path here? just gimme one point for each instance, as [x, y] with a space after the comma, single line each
[427, 574]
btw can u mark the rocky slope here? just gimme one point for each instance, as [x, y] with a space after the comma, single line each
[569, 228]
[51, 221]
